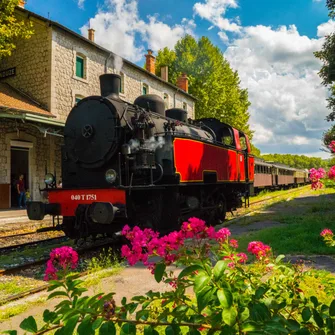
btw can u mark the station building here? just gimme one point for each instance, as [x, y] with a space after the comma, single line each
[40, 83]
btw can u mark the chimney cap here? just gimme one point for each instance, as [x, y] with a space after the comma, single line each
[91, 29]
[150, 52]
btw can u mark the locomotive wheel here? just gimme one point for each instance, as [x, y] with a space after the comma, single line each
[221, 209]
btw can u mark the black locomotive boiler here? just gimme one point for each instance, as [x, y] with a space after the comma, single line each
[140, 164]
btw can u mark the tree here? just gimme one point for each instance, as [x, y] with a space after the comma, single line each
[211, 80]
[11, 28]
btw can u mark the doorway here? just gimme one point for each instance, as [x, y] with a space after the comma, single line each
[19, 162]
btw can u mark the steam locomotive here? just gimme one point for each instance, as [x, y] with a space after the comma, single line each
[140, 164]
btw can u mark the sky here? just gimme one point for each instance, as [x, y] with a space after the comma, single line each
[269, 43]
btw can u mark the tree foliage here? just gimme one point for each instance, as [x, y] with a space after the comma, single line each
[211, 80]
[298, 161]
[11, 28]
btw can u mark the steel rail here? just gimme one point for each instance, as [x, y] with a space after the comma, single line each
[23, 245]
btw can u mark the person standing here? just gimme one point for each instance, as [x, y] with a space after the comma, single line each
[21, 191]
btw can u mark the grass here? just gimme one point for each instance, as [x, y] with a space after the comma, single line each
[303, 221]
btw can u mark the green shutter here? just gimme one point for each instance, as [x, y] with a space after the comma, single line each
[144, 90]
[80, 67]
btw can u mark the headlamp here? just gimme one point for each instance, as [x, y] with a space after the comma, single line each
[110, 176]
[49, 178]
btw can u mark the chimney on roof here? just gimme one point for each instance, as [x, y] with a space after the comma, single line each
[21, 3]
[182, 82]
[165, 73]
[150, 62]
[91, 34]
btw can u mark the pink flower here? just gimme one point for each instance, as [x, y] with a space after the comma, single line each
[331, 172]
[326, 233]
[233, 243]
[63, 258]
[259, 249]
[242, 257]
[222, 235]
[332, 146]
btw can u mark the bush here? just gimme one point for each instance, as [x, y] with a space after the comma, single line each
[265, 296]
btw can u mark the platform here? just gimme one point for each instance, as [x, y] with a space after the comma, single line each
[13, 215]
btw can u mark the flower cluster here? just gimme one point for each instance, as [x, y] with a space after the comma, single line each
[236, 258]
[315, 176]
[332, 146]
[259, 249]
[328, 237]
[147, 243]
[331, 173]
[61, 259]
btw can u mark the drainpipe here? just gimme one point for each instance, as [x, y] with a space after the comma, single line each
[106, 61]
[174, 97]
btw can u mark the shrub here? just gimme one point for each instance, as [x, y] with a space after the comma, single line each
[265, 296]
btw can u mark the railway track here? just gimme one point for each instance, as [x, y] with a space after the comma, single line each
[37, 231]
[18, 268]
[23, 245]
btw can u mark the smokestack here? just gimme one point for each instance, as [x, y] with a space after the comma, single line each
[91, 34]
[150, 62]
[182, 82]
[21, 3]
[110, 84]
[165, 73]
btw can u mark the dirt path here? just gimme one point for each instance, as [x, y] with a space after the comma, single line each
[131, 281]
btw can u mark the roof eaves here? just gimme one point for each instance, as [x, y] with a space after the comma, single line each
[58, 25]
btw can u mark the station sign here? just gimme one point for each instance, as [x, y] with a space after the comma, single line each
[8, 73]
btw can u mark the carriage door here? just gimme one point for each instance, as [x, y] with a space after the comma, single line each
[245, 156]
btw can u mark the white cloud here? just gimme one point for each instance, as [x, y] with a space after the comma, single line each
[223, 36]
[326, 28]
[119, 28]
[81, 4]
[214, 11]
[288, 102]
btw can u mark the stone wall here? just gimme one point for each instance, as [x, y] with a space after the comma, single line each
[32, 59]
[66, 86]
[42, 152]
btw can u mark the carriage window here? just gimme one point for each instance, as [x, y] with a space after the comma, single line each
[225, 135]
[227, 140]
[243, 142]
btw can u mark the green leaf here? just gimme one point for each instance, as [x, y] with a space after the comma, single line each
[314, 300]
[128, 329]
[293, 324]
[97, 323]
[225, 297]
[260, 313]
[219, 269]
[70, 325]
[317, 318]
[159, 271]
[204, 297]
[229, 316]
[249, 326]
[306, 314]
[303, 331]
[57, 294]
[85, 327]
[108, 328]
[279, 258]
[48, 316]
[194, 332]
[148, 330]
[169, 331]
[29, 324]
[201, 280]
[260, 292]
[190, 269]
[332, 308]
[10, 332]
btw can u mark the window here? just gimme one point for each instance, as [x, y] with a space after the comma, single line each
[166, 100]
[80, 67]
[243, 143]
[122, 83]
[185, 106]
[77, 98]
[145, 89]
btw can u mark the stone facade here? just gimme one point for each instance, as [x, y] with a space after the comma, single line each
[66, 86]
[32, 59]
[41, 154]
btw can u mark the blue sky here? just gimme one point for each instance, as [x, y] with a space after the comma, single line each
[270, 43]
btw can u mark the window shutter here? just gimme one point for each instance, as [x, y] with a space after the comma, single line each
[80, 67]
